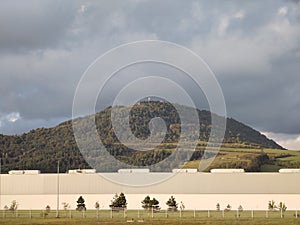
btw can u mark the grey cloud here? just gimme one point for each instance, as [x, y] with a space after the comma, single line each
[29, 25]
[45, 46]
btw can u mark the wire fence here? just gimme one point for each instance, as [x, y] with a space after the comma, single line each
[146, 214]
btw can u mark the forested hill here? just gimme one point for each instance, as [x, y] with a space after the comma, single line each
[43, 147]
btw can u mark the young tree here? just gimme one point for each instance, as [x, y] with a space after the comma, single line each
[281, 206]
[272, 206]
[97, 205]
[146, 202]
[228, 208]
[218, 207]
[240, 208]
[182, 206]
[14, 206]
[119, 201]
[114, 201]
[154, 204]
[47, 211]
[172, 204]
[80, 204]
[48, 208]
[149, 203]
[65, 205]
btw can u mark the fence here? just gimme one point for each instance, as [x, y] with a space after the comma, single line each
[146, 214]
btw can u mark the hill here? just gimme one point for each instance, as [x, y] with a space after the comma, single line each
[43, 147]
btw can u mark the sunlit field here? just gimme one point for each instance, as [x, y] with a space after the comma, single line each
[147, 217]
[228, 157]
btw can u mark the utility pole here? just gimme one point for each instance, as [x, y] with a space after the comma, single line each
[0, 182]
[57, 192]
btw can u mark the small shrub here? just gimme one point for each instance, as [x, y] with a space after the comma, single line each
[14, 206]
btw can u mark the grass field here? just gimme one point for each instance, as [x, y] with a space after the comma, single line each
[144, 217]
[227, 156]
[203, 221]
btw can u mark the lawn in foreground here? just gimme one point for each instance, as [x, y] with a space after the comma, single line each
[92, 217]
[173, 221]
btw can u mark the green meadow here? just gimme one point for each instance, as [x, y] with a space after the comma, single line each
[92, 217]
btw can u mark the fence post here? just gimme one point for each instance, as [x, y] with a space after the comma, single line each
[16, 213]
[296, 213]
[267, 215]
[124, 213]
[152, 212]
[166, 213]
[97, 213]
[3, 213]
[194, 213]
[208, 213]
[111, 213]
[138, 213]
[180, 213]
[252, 214]
[223, 213]
[281, 215]
[237, 213]
[70, 213]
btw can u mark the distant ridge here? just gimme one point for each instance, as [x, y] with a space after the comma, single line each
[43, 147]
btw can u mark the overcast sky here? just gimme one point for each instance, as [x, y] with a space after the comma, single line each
[253, 47]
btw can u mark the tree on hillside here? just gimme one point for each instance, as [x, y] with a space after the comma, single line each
[80, 204]
[149, 203]
[119, 201]
[172, 204]
[218, 206]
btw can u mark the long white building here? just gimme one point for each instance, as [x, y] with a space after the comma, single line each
[196, 190]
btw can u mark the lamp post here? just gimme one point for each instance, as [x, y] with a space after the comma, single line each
[0, 182]
[57, 192]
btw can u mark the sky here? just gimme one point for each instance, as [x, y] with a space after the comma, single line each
[252, 47]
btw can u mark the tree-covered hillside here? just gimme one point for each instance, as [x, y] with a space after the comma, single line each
[43, 147]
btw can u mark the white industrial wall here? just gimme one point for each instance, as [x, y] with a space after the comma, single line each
[199, 202]
[181, 183]
[195, 190]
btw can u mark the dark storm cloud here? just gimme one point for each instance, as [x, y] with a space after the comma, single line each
[252, 46]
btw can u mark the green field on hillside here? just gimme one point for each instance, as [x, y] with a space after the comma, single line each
[260, 160]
